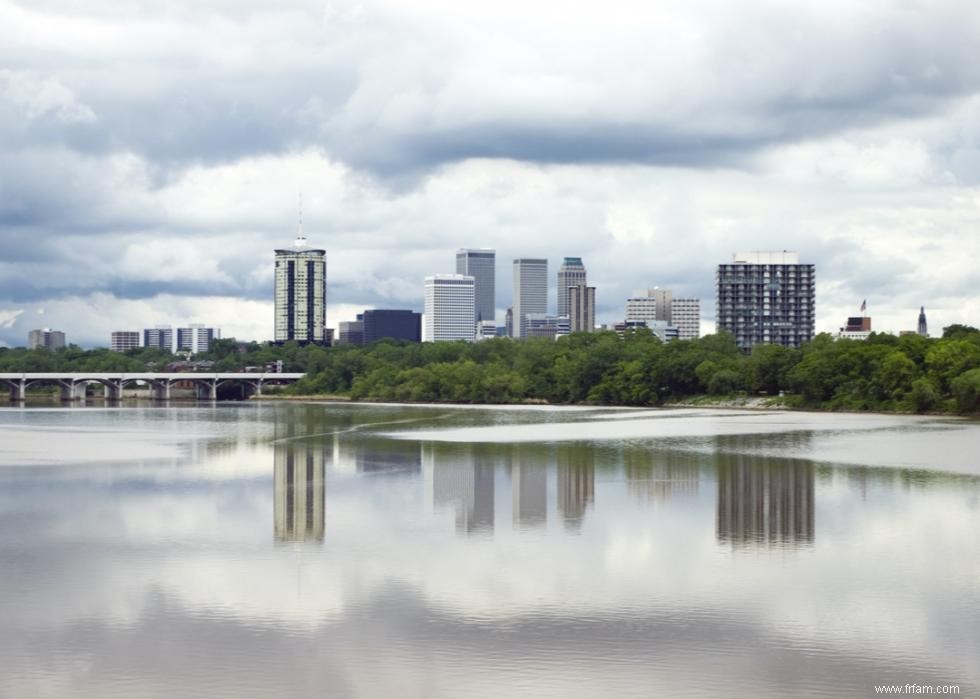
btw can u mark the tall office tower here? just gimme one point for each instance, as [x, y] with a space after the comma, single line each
[122, 340]
[571, 273]
[581, 308]
[685, 315]
[196, 338]
[923, 327]
[301, 293]
[450, 303]
[160, 337]
[530, 291]
[480, 264]
[509, 322]
[299, 507]
[393, 324]
[766, 297]
[45, 339]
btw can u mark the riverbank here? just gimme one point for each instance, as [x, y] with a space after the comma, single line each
[317, 397]
[756, 403]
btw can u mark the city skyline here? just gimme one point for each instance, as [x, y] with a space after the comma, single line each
[131, 199]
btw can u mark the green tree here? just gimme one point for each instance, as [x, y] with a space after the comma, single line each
[966, 390]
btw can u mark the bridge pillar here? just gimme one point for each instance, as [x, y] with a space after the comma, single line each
[258, 387]
[160, 390]
[113, 391]
[18, 390]
[70, 390]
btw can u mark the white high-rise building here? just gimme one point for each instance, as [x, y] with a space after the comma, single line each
[196, 338]
[481, 264]
[450, 308]
[530, 291]
[685, 315]
[571, 273]
[301, 293]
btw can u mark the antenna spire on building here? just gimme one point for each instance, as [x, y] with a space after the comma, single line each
[300, 242]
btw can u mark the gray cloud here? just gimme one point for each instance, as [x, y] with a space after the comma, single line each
[157, 152]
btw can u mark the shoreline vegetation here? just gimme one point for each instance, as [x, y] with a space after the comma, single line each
[904, 374]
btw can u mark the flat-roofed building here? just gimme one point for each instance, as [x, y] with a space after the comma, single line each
[481, 264]
[766, 298]
[581, 308]
[393, 324]
[160, 337]
[124, 340]
[45, 338]
[196, 338]
[449, 308]
[685, 315]
[530, 291]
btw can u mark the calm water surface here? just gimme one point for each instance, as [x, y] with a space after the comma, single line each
[391, 551]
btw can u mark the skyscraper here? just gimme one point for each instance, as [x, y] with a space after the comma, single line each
[530, 291]
[449, 308]
[581, 308]
[480, 264]
[923, 328]
[571, 273]
[301, 293]
[766, 297]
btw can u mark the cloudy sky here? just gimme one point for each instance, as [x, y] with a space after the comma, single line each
[151, 154]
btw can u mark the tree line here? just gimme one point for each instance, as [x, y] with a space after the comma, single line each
[908, 373]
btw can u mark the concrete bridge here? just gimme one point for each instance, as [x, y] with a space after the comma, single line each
[74, 385]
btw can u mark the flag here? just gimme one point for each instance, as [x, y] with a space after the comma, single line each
[864, 304]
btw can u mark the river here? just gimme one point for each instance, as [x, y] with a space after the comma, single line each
[344, 550]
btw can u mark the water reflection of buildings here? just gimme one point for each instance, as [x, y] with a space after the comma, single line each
[463, 481]
[378, 456]
[764, 501]
[661, 475]
[463, 477]
[299, 491]
[529, 488]
[576, 483]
